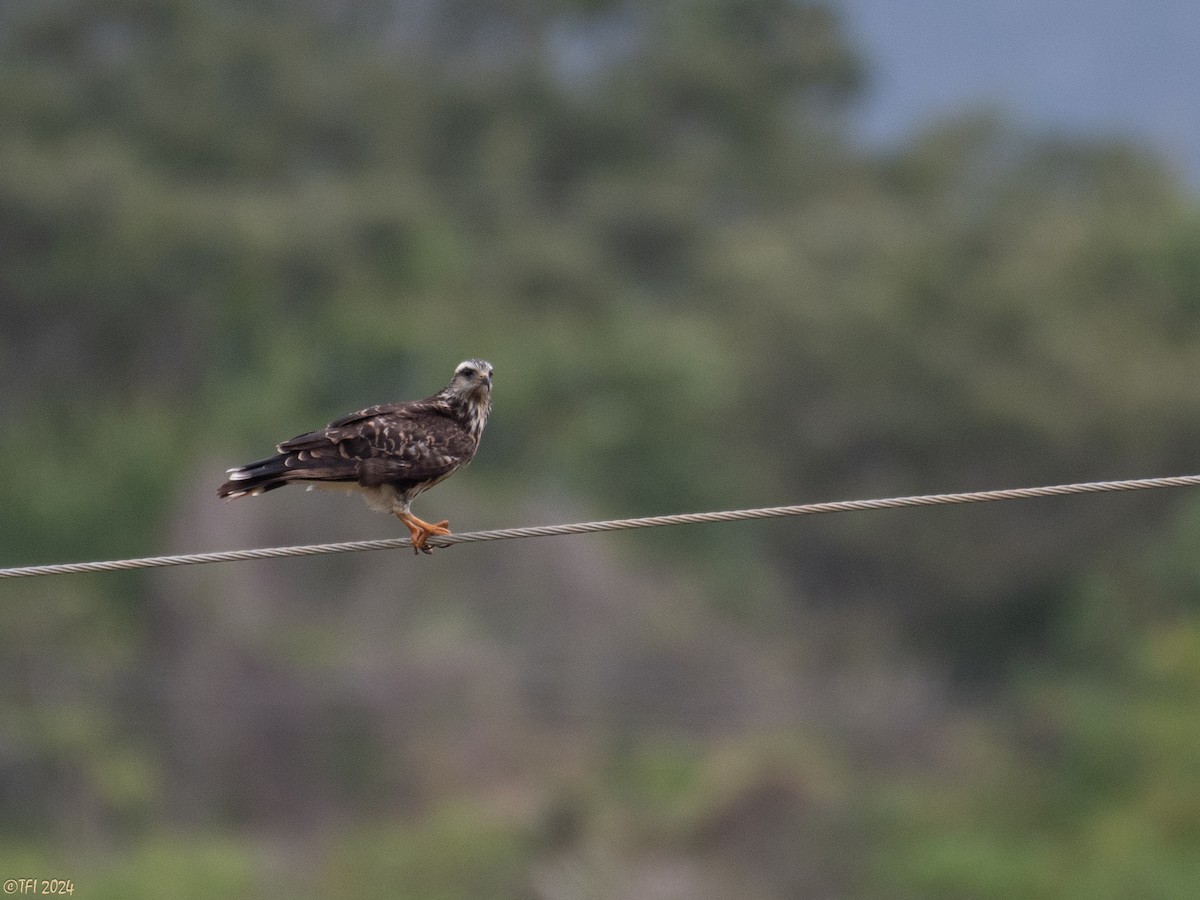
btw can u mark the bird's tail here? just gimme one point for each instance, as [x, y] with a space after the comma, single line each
[256, 478]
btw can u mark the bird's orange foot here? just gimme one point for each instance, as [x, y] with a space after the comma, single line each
[422, 531]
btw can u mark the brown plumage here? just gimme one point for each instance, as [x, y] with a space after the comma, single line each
[390, 453]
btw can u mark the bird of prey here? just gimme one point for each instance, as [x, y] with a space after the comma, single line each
[390, 453]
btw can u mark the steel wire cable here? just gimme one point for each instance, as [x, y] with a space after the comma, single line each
[502, 534]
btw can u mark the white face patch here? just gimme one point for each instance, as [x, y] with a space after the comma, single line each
[471, 368]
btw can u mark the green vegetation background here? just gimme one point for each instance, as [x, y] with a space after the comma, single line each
[223, 223]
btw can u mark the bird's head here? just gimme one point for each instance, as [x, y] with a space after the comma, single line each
[470, 392]
[472, 379]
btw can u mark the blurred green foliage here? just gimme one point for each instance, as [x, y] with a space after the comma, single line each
[224, 222]
[1086, 789]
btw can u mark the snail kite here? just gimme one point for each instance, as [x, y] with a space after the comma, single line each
[391, 453]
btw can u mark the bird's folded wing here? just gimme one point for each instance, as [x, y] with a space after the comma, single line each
[380, 444]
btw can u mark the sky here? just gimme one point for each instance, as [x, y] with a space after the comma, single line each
[1104, 67]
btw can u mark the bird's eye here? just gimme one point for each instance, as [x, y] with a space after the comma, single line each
[466, 372]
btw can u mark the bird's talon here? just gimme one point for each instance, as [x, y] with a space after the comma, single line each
[422, 531]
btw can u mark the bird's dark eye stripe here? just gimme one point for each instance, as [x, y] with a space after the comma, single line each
[466, 371]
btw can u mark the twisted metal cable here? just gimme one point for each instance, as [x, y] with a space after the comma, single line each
[503, 534]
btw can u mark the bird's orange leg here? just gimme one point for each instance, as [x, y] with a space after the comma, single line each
[421, 531]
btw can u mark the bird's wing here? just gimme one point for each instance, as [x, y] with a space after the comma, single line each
[371, 412]
[416, 441]
[344, 429]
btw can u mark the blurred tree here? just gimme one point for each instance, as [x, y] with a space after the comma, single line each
[1089, 789]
